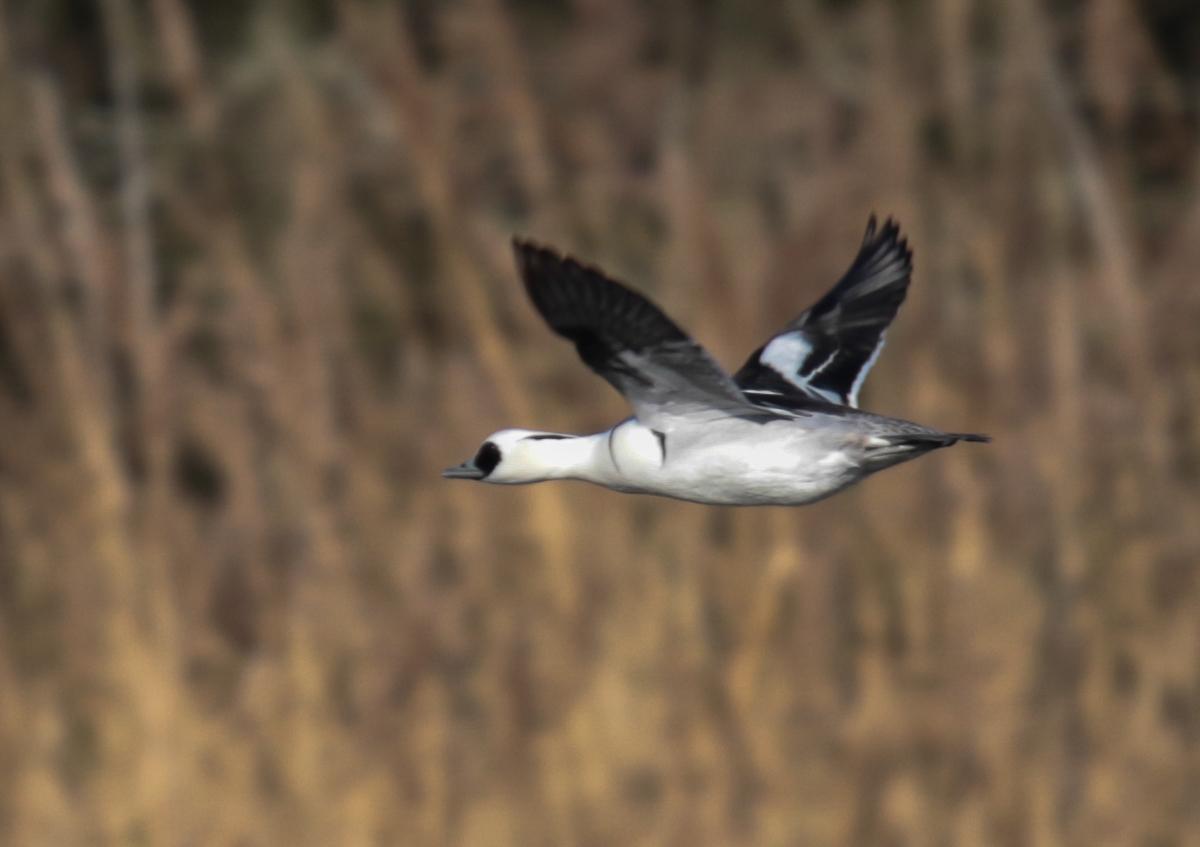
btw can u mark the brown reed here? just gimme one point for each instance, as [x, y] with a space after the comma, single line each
[256, 291]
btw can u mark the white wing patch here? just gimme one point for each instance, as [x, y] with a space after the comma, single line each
[786, 355]
[866, 369]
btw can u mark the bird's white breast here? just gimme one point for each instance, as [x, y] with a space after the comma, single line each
[725, 462]
[635, 450]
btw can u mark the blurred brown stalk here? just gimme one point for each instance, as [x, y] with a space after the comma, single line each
[256, 291]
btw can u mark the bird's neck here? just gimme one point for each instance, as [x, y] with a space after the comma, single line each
[566, 456]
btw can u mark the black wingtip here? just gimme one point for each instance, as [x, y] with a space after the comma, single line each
[887, 239]
[542, 270]
[890, 227]
[535, 259]
[524, 245]
[869, 236]
[526, 248]
[530, 254]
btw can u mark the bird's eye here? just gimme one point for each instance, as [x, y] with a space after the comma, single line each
[487, 458]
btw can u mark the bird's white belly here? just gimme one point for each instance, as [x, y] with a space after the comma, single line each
[779, 465]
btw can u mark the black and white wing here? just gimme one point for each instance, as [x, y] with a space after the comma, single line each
[657, 367]
[827, 351]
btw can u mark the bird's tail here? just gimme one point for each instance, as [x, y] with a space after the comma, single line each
[931, 440]
[893, 449]
[969, 436]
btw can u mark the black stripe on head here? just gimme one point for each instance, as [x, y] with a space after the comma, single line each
[487, 458]
[547, 436]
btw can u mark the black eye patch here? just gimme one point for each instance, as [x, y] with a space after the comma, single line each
[487, 458]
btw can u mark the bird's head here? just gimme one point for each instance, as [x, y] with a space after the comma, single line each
[517, 456]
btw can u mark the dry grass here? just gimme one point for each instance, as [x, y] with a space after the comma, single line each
[255, 292]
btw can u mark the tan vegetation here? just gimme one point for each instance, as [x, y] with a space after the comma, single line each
[256, 291]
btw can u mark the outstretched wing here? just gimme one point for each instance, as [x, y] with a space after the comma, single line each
[657, 367]
[827, 351]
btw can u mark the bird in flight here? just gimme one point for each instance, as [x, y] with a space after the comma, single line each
[785, 430]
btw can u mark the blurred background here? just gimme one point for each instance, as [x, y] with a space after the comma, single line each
[256, 292]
